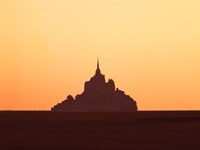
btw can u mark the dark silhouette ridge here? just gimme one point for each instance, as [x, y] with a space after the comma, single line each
[98, 95]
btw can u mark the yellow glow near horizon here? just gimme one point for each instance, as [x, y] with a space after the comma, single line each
[151, 49]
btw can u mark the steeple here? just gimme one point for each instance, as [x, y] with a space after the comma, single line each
[98, 62]
[98, 71]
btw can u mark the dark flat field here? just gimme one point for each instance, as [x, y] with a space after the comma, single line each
[146, 130]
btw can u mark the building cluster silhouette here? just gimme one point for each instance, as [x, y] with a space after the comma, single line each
[98, 96]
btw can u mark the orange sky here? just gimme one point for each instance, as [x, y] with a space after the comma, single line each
[151, 49]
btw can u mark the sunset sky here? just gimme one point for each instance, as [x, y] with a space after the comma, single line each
[150, 48]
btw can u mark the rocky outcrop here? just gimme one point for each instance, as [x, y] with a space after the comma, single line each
[98, 96]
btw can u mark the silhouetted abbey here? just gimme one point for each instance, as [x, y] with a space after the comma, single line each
[98, 95]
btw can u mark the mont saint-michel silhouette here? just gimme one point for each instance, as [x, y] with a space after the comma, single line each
[98, 96]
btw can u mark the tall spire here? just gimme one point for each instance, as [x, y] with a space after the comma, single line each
[98, 62]
[98, 71]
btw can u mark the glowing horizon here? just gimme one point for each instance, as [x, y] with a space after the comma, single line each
[150, 49]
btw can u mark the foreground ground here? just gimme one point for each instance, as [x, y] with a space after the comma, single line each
[139, 130]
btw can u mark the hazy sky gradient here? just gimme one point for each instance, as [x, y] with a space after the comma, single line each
[151, 49]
